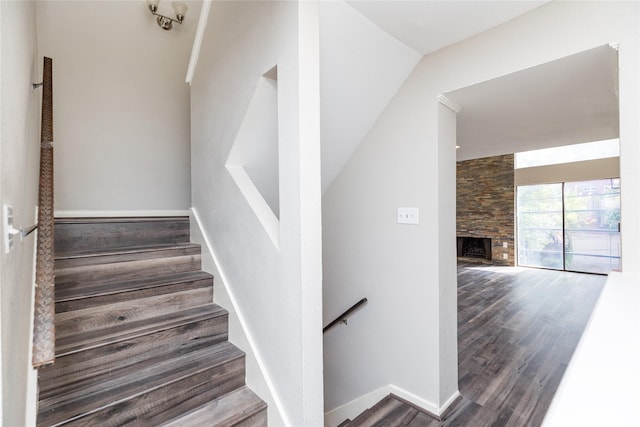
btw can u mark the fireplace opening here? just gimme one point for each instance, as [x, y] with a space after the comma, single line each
[474, 247]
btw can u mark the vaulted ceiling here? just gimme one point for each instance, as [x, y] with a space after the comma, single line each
[368, 49]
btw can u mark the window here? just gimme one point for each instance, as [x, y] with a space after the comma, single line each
[568, 153]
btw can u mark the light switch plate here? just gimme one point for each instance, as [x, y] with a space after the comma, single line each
[408, 216]
[7, 228]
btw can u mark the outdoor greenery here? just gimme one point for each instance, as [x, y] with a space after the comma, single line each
[564, 223]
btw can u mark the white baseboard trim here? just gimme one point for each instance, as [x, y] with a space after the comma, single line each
[354, 408]
[116, 213]
[243, 323]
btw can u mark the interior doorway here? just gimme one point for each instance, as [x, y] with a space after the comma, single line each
[573, 226]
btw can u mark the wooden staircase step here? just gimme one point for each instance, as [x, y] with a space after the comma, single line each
[118, 333]
[158, 265]
[388, 411]
[87, 233]
[70, 295]
[64, 260]
[110, 307]
[115, 314]
[87, 364]
[144, 394]
[241, 407]
[139, 340]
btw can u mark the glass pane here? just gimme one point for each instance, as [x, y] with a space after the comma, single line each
[539, 210]
[592, 214]
[568, 153]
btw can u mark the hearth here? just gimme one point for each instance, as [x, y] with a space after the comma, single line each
[474, 247]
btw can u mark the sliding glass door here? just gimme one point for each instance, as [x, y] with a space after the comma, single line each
[571, 226]
[539, 210]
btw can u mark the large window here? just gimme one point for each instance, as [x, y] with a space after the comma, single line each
[568, 153]
[571, 226]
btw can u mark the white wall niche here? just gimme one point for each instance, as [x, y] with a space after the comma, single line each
[253, 160]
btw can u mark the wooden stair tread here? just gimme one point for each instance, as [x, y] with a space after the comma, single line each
[71, 402]
[98, 220]
[88, 253]
[68, 262]
[388, 411]
[87, 364]
[112, 334]
[227, 410]
[70, 291]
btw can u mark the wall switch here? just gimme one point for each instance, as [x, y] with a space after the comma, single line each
[505, 245]
[505, 256]
[8, 230]
[408, 216]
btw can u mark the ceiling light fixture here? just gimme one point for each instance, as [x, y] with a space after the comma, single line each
[165, 22]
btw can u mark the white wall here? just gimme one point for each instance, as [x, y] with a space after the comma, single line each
[396, 338]
[19, 154]
[121, 107]
[361, 68]
[277, 287]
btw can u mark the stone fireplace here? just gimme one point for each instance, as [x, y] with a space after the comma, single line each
[485, 210]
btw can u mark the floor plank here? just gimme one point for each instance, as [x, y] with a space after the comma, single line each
[517, 330]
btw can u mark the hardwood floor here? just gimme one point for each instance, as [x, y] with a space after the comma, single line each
[517, 330]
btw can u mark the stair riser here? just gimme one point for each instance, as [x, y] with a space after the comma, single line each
[161, 403]
[88, 233]
[130, 296]
[72, 261]
[92, 318]
[89, 365]
[122, 271]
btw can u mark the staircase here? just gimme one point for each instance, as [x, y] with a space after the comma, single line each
[139, 340]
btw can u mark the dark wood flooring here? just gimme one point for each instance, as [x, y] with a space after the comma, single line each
[517, 330]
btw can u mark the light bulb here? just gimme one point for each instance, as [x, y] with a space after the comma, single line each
[180, 9]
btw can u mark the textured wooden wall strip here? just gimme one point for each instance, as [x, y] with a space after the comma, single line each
[44, 328]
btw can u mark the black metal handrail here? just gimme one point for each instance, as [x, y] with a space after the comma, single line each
[344, 316]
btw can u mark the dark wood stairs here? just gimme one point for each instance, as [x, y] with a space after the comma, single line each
[139, 341]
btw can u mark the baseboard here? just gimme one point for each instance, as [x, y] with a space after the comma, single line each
[257, 375]
[354, 408]
[117, 213]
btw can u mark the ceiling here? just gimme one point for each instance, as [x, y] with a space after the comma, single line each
[429, 25]
[567, 101]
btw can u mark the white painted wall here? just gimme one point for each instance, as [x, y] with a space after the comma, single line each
[361, 68]
[402, 269]
[277, 289]
[256, 376]
[19, 154]
[121, 107]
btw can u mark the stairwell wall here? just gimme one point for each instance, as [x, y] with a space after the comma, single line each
[273, 275]
[19, 153]
[121, 106]
[398, 338]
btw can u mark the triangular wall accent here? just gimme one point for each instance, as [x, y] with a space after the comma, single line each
[253, 159]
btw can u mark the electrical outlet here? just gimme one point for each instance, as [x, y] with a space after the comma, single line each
[505, 245]
[505, 256]
[408, 216]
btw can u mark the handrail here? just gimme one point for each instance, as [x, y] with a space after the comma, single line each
[343, 317]
[43, 324]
